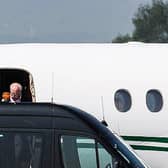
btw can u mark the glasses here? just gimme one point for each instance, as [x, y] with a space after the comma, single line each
[16, 95]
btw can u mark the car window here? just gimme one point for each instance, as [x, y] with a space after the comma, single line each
[83, 152]
[20, 150]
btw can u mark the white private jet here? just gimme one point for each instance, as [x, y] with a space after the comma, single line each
[124, 84]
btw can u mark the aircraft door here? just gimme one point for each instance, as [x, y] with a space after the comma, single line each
[8, 76]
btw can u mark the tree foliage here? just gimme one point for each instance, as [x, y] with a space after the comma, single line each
[150, 22]
[122, 38]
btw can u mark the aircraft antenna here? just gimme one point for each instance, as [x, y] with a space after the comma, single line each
[52, 89]
[102, 104]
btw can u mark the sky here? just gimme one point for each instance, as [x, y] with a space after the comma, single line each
[66, 21]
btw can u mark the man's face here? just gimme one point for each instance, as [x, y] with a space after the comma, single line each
[15, 93]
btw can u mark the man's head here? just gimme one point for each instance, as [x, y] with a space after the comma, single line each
[15, 91]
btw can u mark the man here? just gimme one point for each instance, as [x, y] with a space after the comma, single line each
[5, 97]
[15, 92]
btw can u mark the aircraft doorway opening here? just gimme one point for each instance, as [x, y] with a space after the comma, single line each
[8, 76]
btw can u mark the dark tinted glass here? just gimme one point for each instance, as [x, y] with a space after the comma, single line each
[122, 100]
[154, 100]
[78, 152]
[83, 152]
[20, 150]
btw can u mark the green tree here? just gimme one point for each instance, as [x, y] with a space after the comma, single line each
[122, 38]
[151, 23]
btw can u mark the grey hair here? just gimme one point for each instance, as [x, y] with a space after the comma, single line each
[16, 84]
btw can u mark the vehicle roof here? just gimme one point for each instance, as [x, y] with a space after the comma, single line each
[47, 112]
[32, 109]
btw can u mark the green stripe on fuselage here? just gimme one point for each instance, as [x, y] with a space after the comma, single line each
[151, 148]
[146, 139]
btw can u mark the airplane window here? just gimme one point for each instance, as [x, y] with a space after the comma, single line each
[154, 100]
[122, 100]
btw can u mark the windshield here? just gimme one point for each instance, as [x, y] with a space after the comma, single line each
[78, 21]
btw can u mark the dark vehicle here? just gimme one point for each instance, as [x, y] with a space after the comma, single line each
[44, 135]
